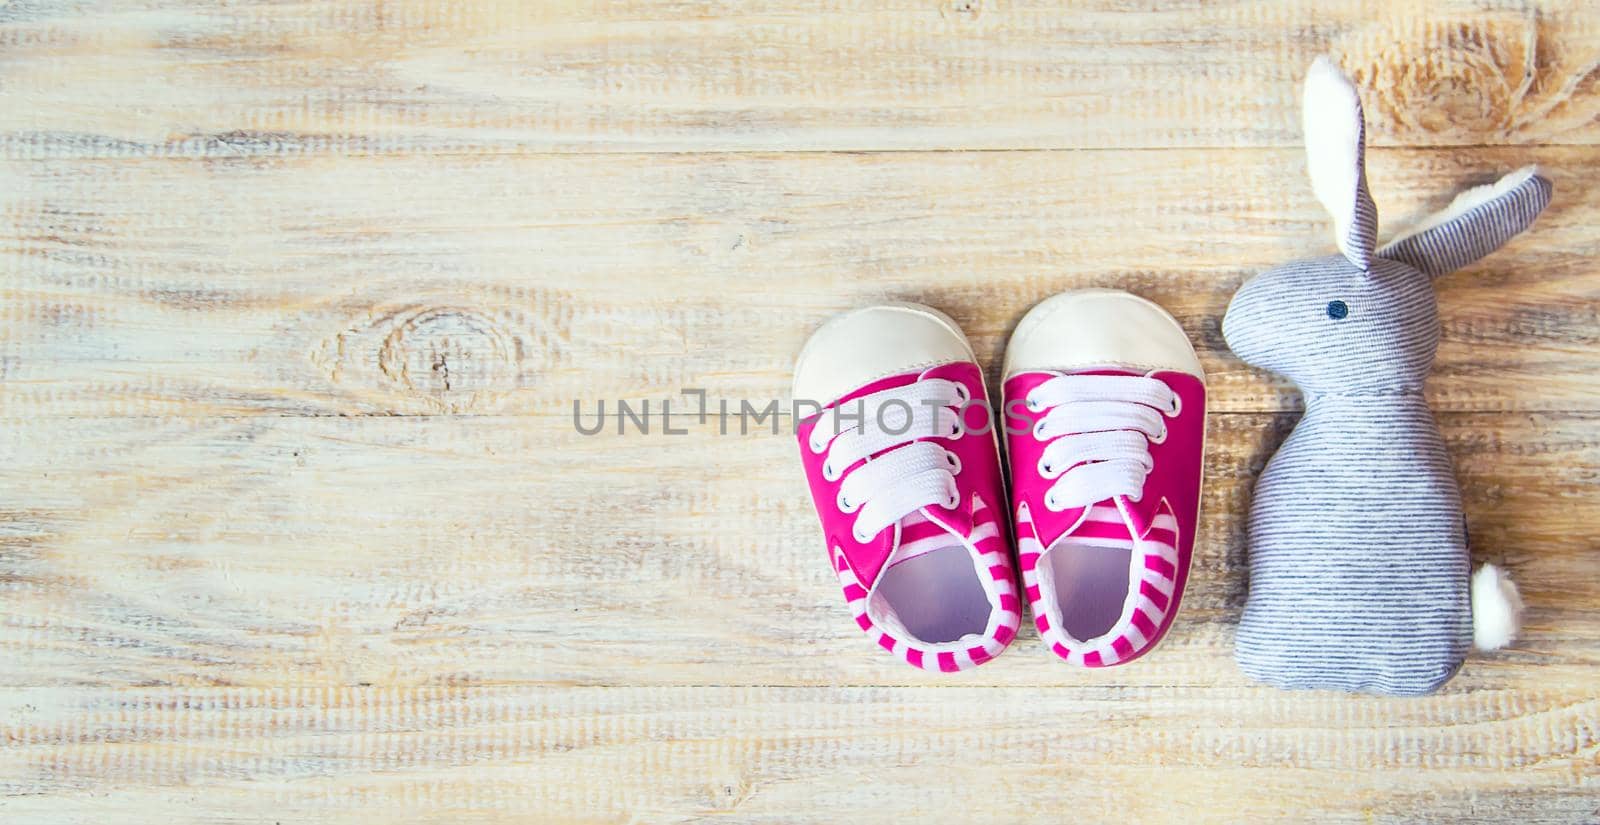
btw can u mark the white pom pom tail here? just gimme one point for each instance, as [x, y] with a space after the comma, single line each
[1496, 608]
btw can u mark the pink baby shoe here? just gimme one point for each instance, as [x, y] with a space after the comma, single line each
[1105, 407]
[904, 470]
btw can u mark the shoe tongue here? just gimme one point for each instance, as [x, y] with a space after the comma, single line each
[1112, 520]
[1103, 521]
[1118, 518]
[920, 536]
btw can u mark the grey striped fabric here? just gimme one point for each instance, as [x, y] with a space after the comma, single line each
[1357, 547]
[1358, 559]
[1280, 321]
[1361, 236]
[1358, 243]
[1443, 249]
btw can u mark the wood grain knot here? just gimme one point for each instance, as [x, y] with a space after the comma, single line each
[444, 357]
[968, 10]
[450, 355]
[1462, 81]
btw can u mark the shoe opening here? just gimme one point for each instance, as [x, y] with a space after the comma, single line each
[936, 596]
[1091, 586]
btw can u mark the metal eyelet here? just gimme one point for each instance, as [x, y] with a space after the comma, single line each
[1038, 426]
[827, 471]
[1045, 469]
[954, 461]
[844, 504]
[1160, 439]
[1051, 504]
[1032, 404]
[1175, 408]
[962, 394]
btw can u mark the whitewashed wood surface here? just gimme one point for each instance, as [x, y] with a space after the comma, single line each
[296, 299]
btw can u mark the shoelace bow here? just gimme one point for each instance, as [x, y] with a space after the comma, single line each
[901, 473]
[1100, 428]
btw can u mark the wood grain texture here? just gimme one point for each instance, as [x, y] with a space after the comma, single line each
[516, 284]
[296, 297]
[486, 550]
[765, 754]
[229, 79]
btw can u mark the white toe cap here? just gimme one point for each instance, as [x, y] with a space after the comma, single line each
[1096, 328]
[862, 346]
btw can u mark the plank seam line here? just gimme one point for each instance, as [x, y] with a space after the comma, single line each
[490, 151]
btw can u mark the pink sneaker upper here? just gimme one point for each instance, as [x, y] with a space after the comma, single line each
[1106, 447]
[934, 586]
[1155, 531]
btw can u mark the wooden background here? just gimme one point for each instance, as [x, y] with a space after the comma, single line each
[295, 299]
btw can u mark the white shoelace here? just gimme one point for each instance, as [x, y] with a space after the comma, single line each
[909, 474]
[1100, 428]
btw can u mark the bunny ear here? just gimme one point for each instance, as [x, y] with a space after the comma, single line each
[1476, 223]
[1335, 151]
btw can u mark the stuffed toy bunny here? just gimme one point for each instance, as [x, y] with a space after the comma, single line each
[1357, 545]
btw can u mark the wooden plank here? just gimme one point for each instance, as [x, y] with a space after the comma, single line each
[228, 79]
[471, 550]
[437, 753]
[516, 284]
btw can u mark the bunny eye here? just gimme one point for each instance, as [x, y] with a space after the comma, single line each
[1337, 310]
